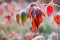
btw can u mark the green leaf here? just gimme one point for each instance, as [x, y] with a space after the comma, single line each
[24, 17]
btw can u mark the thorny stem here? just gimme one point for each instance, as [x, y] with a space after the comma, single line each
[51, 4]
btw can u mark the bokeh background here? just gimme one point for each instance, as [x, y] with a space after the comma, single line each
[9, 25]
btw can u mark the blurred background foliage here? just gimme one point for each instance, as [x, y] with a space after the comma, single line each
[46, 27]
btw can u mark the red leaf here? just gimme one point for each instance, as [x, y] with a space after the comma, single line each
[49, 10]
[29, 12]
[34, 26]
[57, 18]
[36, 21]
